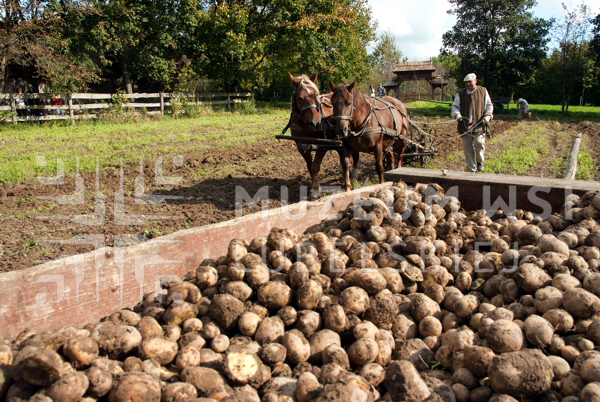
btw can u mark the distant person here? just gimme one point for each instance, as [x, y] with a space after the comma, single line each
[20, 103]
[381, 90]
[372, 88]
[524, 111]
[473, 109]
[57, 102]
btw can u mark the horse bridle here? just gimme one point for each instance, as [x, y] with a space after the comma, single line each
[316, 105]
[351, 110]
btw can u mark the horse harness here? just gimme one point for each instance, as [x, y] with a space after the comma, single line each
[294, 116]
[380, 129]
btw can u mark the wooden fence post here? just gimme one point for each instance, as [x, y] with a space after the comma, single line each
[572, 161]
[13, 108]
[162, 103]
[228, 101]
[197, 99]
[71, 111]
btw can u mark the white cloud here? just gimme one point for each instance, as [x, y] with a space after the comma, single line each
[418, 25]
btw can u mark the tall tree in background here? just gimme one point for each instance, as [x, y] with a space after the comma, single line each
[575, 61]
[242, 43]
[32, 35]
[499, 40]
[386, 54]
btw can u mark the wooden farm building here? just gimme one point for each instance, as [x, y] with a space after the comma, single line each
[416, 71]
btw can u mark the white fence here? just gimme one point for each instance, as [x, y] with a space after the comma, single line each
[39, 107]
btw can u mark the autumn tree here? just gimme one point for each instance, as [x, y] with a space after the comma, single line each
[575, 61]
[32, 35]
[500, 40]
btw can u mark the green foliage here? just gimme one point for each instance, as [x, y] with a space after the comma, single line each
[386, 54]
[524, 155]
[499, 40]
[586, 166]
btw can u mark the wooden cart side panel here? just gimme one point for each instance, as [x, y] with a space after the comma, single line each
[86, 287]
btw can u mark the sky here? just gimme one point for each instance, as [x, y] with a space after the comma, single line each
[418, 25]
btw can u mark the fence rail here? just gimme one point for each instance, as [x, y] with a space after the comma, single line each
[39, 107]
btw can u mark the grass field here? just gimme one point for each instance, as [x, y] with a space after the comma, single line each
[129, 140]
[24, 145]
[542, 112]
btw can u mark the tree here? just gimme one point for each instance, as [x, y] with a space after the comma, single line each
[32, 36]
[386, 54]
[499, 40]
[255, 42]
[575, 65]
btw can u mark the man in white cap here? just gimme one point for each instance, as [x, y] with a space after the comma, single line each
[473, 109]
[523, 107]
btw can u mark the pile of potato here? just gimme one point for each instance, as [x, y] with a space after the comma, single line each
[405, 297]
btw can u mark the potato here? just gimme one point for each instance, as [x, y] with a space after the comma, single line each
[506, 373]
[404, 327]
[559, 319]
[273, 354]
[571, 384]
[81, 350]
[135, 386]
[297, 346]
[538, 331]
[363, 351]
[581, 303]
[422, 306]
[466, 306]
[319, 341]
[70, 387]
[530, 277]
[270, 330]
[308, 295]
[162, 350]
[307, 387]
[337, 355]
[548, 298]
[178, 391]
[187, 356]
[35, 366]
[355, 299]
[99, 381]
[504, 336]
[248, 323]
[430, 326]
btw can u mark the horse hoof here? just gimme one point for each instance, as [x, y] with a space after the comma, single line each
[314, 195]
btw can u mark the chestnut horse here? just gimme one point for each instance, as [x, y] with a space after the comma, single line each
[368, 125]
[310, 111]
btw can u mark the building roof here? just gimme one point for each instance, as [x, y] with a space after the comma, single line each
[414, 66]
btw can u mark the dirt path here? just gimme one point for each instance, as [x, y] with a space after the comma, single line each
[37, 229]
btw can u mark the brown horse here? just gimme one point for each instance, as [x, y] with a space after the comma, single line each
[368, 125]
[310, 111]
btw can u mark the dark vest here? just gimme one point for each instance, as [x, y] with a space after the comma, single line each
[477, 97]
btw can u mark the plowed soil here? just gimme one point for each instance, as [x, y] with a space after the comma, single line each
[37, 229]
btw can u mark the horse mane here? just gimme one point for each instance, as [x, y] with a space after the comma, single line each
[307, 84]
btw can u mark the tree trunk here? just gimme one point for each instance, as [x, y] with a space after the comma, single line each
[125, 72]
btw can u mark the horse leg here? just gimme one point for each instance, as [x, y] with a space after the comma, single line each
[344, 164]
[399, 153]
[307, 155]
[379, 160]
[354, 174]
[315, 191]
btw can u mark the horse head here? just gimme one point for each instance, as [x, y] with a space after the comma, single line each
[342, 100]
[305, 100]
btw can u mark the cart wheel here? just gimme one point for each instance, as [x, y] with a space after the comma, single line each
[498, 107]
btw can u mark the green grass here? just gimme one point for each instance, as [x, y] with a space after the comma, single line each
[130, 140]
[539, 111]
[525, 154]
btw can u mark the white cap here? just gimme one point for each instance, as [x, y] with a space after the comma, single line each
[470, 77]
[520, 100]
